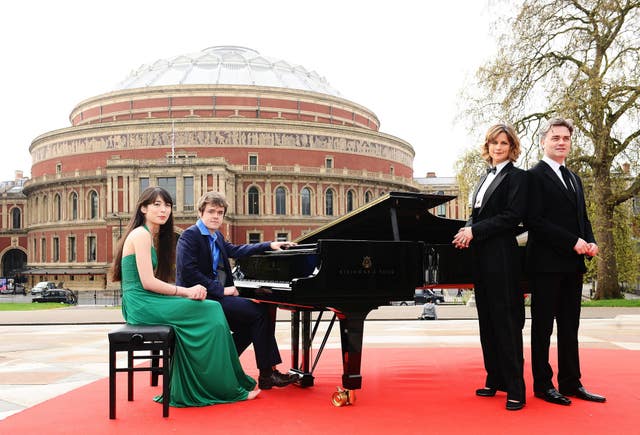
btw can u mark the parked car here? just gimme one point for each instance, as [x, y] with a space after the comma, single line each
[43, 285]
[420, 297]
[14, 289]
[57, 295]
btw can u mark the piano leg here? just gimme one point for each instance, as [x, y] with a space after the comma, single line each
[307, 341]
[295, 338]
[351, 334]
[351, 330]
[303, 370]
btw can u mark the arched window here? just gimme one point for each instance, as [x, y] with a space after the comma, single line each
[74, 205]
[367, 197]
[253, 198]
[16, 216]
[57, 207]
[281, 200]
[305, 201]
[349, 200]
[93, 205]
[328, 202]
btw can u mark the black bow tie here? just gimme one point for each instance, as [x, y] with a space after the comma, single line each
[491, 170]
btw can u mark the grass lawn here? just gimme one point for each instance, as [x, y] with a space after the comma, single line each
[612, 303]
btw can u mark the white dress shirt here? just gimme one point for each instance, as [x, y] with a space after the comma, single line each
[487, 182]
[556, 168]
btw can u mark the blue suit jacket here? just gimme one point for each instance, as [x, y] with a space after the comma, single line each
[194, 262]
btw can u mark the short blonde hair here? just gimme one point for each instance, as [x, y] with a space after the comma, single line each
[492, 133]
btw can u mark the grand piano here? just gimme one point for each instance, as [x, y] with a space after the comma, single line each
[376, 254]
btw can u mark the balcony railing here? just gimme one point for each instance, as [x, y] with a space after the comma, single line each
[64, 176]
[209, 161]
[315, 170]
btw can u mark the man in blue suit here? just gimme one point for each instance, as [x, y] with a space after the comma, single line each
[203, 258]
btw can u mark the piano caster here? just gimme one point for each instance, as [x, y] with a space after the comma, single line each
[343, 397]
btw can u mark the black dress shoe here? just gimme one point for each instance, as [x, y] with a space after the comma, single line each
[583, 394]
[514, 405]
[286, 376]
[552, 395]
[486, 392]
[275, 379]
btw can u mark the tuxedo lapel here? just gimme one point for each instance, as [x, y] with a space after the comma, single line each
[475, 193]
[494, 185]
[579, 198]
[549, 173]
[578, 191]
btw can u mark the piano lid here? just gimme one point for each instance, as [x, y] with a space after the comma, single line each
[394, 216]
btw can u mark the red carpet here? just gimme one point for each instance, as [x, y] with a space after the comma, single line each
[405, 390]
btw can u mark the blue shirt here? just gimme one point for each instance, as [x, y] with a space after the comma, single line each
[215, 251]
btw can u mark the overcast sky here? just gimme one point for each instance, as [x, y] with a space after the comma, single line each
[405, 60]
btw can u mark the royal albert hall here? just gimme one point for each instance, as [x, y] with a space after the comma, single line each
[287, 150]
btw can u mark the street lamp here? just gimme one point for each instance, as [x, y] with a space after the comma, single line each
[117, 216]
[117, 294]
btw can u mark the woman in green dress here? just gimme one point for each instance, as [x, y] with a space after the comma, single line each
[205, 368]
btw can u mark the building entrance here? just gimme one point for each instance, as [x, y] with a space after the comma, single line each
[13, 262]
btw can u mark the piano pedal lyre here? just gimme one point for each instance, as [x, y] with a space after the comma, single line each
[343, 397]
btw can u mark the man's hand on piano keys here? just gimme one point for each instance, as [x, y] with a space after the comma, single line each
[276, 246]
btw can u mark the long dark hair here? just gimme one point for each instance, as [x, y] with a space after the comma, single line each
[166, 248]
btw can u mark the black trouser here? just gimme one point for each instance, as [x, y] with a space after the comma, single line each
[253, 323]
[501, 319]
[555, 296]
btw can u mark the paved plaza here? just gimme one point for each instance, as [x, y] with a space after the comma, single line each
[47, 353]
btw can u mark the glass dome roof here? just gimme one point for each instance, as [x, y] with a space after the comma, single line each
[227, 65]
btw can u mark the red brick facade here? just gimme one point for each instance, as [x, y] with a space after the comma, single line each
[288, 161]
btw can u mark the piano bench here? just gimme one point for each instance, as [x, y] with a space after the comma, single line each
[141, 342]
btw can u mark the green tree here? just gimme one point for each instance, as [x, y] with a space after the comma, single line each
[627, 254]
[469, 168]
[579, 60]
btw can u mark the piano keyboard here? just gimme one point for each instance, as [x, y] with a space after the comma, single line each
[256, 284]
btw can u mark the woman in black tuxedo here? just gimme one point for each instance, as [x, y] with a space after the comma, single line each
[499, 206]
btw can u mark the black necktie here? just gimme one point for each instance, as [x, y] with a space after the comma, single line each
[491, 170]
[567, 179]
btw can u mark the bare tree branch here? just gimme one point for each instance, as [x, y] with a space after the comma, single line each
[579, 59]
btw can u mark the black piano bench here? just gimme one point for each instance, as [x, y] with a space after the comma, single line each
[155, 343]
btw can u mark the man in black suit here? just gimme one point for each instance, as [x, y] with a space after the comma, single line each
[203, 258]
[560, 236]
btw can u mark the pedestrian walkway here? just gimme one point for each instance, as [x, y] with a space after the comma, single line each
[47, 353]
[92, 314]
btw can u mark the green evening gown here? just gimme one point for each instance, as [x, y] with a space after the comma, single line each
[206, 369]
